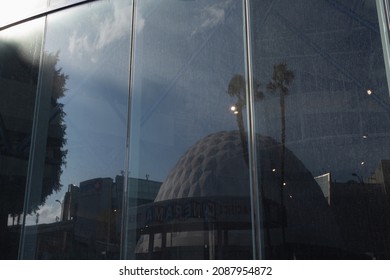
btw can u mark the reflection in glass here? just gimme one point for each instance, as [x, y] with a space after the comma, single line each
[81, 134]
[184, 134]
[73, 140]
[20, 49]
[333, 116]
[17, 9]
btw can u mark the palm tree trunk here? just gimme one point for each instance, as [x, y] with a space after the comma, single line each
[241, 128]
[282, 163]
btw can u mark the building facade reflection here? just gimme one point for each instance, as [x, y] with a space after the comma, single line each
[132, 136]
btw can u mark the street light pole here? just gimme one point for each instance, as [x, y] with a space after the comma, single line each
[61, 209]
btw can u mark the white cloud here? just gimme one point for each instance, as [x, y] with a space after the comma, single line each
[114, 27]
[140, 24]
[47, 214]
[102, 31]
[78, 44]
[215, 16]
[212, 16]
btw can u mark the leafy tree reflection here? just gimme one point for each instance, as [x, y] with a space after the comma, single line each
[18, 83]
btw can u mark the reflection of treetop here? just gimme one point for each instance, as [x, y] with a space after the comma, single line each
[19, 73]
[56, 133]
[237, 88]
[59, 79]
[281, 78]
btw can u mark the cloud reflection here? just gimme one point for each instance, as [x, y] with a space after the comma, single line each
[104, 28]
[47, 214]
[212, 16]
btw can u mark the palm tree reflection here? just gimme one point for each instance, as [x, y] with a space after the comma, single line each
[237, 88]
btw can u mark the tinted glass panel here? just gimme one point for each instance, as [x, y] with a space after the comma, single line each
[20, 49]
[81, 134]
[189, 186]
[180, 156]
[323, 128]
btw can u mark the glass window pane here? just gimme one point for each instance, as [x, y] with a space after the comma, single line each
[81, 132]
[20, 51]
[189, 182]
[323, 128]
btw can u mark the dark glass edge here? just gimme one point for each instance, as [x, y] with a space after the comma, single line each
[44, 12]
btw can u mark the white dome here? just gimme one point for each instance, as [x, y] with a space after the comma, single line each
[214, 166]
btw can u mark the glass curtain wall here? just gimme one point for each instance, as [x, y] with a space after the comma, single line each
[74, 192]
[323, 128]
[189, 182]
[20, 53]
[97, 104]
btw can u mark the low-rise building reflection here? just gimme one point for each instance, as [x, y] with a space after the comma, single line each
[361, 208]
[193, 217]
[90, 222]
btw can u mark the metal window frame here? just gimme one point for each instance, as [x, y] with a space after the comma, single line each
[254, 164]
[383, 9]
[44, 12]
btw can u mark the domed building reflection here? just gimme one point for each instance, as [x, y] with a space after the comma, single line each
[203, 210]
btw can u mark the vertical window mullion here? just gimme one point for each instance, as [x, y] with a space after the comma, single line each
[255, 192]
[125, 198]
[383, 18]
[36, 161]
